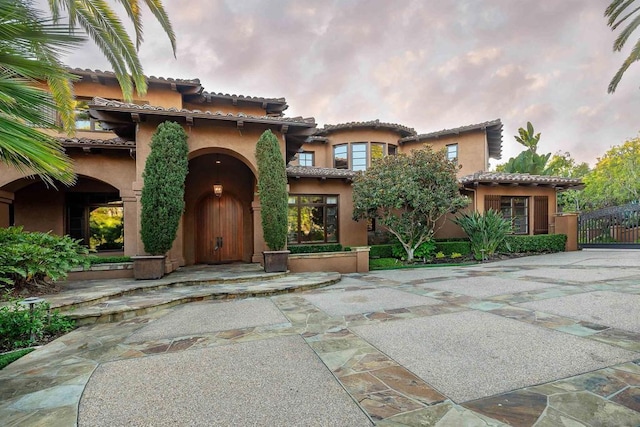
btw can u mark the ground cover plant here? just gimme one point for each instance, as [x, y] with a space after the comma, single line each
[22, 327]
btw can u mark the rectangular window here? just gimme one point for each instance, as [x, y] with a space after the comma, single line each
[340, 159]
[313, 219]
[83, 120]
[306, 158]
[452, 152]
[392, 150]
[359, 156]
[377, 151]
[516, 210]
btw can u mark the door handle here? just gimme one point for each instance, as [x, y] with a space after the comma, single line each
[220, 242]
[217, 244]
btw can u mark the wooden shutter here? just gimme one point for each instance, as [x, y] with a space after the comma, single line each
[492, 202]
[540, 215]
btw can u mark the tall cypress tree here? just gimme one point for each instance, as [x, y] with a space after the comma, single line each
[162, 198]
[272, 188]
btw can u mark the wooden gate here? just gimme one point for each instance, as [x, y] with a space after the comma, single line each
[219, 228]
[615, 227]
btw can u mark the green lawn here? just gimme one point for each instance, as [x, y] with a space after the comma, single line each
[12, 356]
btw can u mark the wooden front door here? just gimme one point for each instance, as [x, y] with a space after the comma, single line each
[218, 229]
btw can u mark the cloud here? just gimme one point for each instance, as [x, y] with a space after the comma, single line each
[428, 65]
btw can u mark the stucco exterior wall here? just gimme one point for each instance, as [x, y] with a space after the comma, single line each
[350, 232]
[472, 150]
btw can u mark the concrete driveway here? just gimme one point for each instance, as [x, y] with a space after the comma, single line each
[550, 340]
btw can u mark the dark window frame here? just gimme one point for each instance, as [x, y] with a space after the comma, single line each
[302, 154]
[299, 204]
[510, 216]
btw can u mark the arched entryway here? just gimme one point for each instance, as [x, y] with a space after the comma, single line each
[218, 228]
[219, 225]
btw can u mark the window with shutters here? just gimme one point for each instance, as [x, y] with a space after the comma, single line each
[513, 209]
[541, 215]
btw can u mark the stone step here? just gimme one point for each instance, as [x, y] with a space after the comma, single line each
[91, 292]
[122, 307]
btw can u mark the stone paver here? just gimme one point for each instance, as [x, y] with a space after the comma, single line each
[618, 310]
[378, 356]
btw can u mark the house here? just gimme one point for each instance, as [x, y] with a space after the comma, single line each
[112, 145]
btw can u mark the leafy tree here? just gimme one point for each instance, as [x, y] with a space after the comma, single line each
[162, 197]
[615, 180]
[618, 12]
[528, 161]
[562, 164]
[408, 194]
[272, 188]
[30, 46]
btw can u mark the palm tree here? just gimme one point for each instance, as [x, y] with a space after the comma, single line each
[30, 48]
[105, 28]
[618, 12]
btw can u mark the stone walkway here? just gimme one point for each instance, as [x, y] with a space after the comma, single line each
[550, 340]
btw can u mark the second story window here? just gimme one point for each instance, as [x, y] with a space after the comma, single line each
[452, 152]
[359, 156]
[306, 158]
[83, 119]
[340, 157]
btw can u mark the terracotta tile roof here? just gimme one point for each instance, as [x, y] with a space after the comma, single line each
[313, 172]
[232, 97]
[376, 124]
[106, 104]
[519, 179]
[97, 143]
[111, 74]
[494, 135]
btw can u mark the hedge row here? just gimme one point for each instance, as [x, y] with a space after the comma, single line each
[313, 249]
[538, 243]
[518, 244]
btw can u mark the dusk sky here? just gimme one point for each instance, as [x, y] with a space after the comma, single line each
[429, 65]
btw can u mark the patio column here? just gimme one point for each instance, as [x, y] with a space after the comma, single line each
[258, 238]
[131, 224]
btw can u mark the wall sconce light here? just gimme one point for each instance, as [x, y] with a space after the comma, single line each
[217, 190]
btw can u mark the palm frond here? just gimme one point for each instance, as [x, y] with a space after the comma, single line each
[161, 15]
[614, 11]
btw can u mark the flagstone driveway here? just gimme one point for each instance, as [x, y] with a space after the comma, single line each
[547, 340]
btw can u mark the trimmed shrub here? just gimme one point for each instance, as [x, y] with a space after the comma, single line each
[163, 193]
[313, 249]
[459, 246]
[536, 244]
[381, 251]
[29, 258]
[272, 188]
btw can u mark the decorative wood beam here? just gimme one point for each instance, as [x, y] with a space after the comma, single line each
[284, 129]
[264, 105]
[234, 101]
[174, 87]
[189, 120]
[136, 117]
[240, 124]
[95, 78]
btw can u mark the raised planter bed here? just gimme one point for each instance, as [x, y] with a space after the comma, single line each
[354, 261]
[116, 270]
